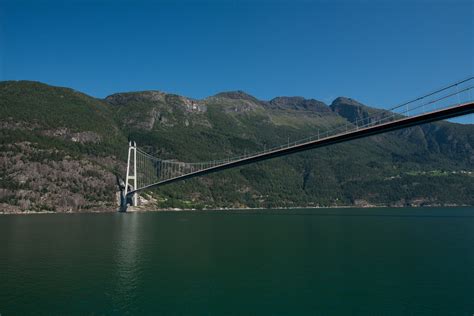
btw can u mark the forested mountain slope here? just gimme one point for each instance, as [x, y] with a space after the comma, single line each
[61, 149]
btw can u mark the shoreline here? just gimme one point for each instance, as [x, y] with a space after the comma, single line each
[138, 210]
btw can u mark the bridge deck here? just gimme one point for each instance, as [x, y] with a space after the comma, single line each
[453, 111]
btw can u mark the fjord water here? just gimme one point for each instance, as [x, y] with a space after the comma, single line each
[291, 262]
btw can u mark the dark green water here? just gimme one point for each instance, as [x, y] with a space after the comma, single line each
[294, 262]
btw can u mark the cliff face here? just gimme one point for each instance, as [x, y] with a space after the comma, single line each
[60, 151]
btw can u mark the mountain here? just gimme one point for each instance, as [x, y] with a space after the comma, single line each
[58, 149]
[61, 150]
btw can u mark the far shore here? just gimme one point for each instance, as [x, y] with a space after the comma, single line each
[141, 210]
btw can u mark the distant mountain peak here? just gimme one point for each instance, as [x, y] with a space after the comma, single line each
[237, 95]
[354, 110]
[298, 103]
[345, 101]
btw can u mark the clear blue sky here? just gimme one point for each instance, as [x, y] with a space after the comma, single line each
[380, 52]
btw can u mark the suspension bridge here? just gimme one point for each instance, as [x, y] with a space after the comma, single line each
[145, 172]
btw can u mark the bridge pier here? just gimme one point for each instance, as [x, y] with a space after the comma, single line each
[122, 198]
[126, 200]
[123, 203]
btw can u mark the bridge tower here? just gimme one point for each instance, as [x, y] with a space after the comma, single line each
[131, 172]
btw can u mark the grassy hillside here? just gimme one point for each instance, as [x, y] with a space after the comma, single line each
[61, 149]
